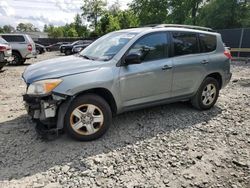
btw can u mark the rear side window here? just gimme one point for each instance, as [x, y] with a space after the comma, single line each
[151, 47]
[185, 43]
[13, 38]
[208, 43]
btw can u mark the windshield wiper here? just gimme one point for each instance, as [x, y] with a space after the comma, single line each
[86, 57]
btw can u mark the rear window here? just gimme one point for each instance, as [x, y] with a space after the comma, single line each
[13, 38]
[185, 43]
[208, 43]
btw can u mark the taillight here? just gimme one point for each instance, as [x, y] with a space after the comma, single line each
[3, 48]
[227, 53]
[30, 47]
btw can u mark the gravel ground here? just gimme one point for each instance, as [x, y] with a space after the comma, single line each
[166, 146]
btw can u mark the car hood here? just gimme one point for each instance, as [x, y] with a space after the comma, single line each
[59, 67]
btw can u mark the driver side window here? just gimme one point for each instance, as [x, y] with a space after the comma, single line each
[151, 47]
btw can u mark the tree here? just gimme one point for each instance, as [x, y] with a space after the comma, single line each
[8, 29]
[108, 23]
[26, 27]
[82, 31]
[150, 11]
[185, 12]
[221, 14]
[127, 19]
[45, 28]
[72, 33]
[93, 9]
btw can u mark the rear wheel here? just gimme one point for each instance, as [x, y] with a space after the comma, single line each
[88, 118]
[207, 94]
[68, 52]
[17, 59]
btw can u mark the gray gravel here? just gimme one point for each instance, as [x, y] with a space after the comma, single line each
[166, 146]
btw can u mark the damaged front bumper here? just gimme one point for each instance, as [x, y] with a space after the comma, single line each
[48, 110]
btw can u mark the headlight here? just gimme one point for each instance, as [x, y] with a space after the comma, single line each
[43, 87]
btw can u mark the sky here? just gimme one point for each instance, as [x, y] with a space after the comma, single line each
[40, 12]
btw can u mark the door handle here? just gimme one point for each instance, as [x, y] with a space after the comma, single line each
[204, 62]
[166, 67]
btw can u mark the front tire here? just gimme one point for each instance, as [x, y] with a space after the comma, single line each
[207, 94]
[88, 118]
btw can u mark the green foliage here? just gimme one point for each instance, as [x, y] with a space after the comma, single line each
[72, 33]
[221, 14]
[26, 27]
[150, 11]
[128, 19]
[92, 10]
[184, 12]
[217, 14]
[7, 29]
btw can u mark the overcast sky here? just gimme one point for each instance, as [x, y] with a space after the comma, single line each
[40, 12]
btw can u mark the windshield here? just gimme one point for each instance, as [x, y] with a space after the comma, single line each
[106, 47]
[74, 43]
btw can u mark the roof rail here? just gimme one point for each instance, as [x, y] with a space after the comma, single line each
[185, 26]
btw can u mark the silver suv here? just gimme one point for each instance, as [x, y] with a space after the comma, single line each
[123, 71]
[23, 47]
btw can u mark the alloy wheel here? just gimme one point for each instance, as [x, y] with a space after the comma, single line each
[86, 119]
[208, 94]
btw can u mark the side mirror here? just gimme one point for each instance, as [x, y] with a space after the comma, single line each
[132, 59]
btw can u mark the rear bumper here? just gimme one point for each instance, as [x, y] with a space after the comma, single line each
[31, 55]
[227, 79]
[9, 59]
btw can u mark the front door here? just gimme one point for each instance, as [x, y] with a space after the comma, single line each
[152, 79]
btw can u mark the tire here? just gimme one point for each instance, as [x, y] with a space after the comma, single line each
[18, 60]
[38, 51]
[68, 52]
[83, 111]
[207, 94]
[23, 61]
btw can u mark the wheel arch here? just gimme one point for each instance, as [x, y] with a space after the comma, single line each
[105, 94]
[16, 51]
[217, 76]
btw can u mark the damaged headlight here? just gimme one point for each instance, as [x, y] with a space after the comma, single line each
[43, 87]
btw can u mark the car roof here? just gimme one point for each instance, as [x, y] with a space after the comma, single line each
[13, 34]
[147, 29]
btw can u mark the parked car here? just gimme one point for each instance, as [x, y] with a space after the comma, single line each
[40, 49]
[5, 53]
[67, 48]
[127, 70]
[80, 47]
[55, 47]
[23, 47]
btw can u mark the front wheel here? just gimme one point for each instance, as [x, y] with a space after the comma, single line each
[88, 118]
[207, 94]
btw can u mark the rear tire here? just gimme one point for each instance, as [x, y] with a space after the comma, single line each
[68, 52]
[18, 60]
[88, 118]
[207, 94]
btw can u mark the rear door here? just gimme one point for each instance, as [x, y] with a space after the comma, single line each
[152, 79]
[189, 64]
